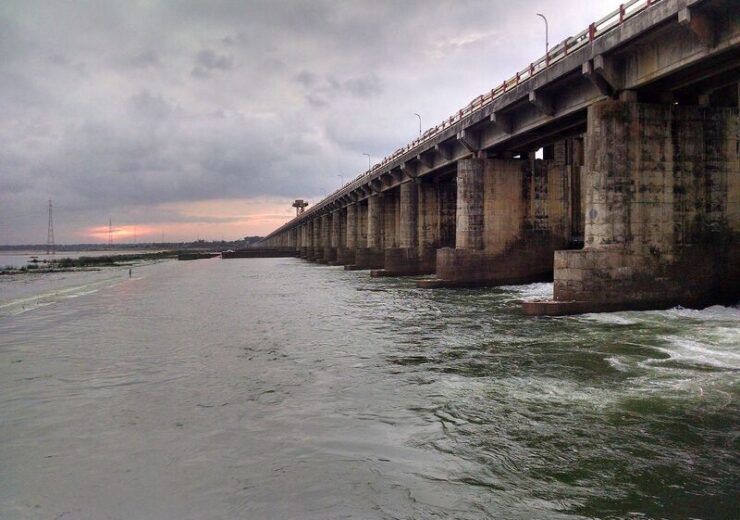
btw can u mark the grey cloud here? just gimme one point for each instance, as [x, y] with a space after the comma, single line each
[208, 61]
[145, 59]
[320, 92]
[364, 87]
[106, 107]
[151, 105]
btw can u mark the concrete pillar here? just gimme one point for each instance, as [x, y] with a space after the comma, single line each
[346, 253]
[351, 240]
[403, 258]
[662, 211]
[318, 250]
[302, 246]
[370, 256]
[389, 218]
[428, 225]
[294, 242]
[334, 234]
[409, 213]
[362, 224]
[326, 237]
[469, 218]
[309, 239]
[447, 212]
[525, 219]
[374, 221]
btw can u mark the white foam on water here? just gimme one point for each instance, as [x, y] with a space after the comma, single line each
[618, 364]
[612, 318]
[532, 291]
[715, 312]
[698, 352]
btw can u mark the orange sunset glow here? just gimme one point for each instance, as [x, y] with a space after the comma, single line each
[222, 219]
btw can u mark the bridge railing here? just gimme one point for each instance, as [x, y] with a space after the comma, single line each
[556, 54]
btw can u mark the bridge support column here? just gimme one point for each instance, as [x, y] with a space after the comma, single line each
[662, 212]
[325, 239]
[318, 249]
[346, 251]
[334, 234]
[371, 256]
[469, 216]
[512, 226]
[429, 219]
[405, 259]
[309, 240]
[302, 241]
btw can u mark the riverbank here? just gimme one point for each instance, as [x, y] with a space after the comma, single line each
[86, 263]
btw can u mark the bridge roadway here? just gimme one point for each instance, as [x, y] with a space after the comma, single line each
[634, 204]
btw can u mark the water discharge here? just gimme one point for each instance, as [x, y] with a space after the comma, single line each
[275, 388]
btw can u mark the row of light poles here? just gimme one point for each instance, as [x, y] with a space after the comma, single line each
[547, 50]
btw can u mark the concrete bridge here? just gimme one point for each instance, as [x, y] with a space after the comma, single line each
[634, 204]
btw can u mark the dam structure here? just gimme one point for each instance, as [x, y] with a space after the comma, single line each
[632, 203]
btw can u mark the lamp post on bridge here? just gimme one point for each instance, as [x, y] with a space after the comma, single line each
[417, 115]
[547, 42]
[368, 161]
[341, 178]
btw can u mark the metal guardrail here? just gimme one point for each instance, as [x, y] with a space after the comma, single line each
[556, 54]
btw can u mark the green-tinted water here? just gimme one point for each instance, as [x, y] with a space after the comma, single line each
[275, 388]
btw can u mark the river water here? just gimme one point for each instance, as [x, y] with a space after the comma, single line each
[275, 388]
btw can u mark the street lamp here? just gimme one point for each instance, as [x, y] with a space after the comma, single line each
[417, 115]
[341, 178]
[547, 43]
[368, 160]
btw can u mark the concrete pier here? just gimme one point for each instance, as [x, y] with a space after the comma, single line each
[348, 246]
[662, 211]
[512, 225]
[402, 257]
[318, 244]
[335, 235]
[371, 256]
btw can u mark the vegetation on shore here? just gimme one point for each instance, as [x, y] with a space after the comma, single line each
[86, 262]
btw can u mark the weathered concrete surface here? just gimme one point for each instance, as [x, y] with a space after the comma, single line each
[524, 207]
[371, 257]
[335, 235]
[348, 246]
[662, 211]
[407, 259]
[303, 244]
[429, 218]
[318, 248]
[469, 215]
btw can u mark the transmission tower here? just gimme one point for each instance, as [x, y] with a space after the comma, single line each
[50, 247]
[110, 234]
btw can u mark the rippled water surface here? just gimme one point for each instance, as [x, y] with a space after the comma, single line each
[275, 388]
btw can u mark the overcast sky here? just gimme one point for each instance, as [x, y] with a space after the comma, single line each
[205, 119]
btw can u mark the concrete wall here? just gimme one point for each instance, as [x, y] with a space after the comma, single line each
[662, 208]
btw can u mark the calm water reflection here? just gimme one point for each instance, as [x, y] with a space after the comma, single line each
[275, 388]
